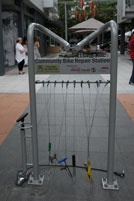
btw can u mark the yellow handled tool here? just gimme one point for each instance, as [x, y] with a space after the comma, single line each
[88, 174]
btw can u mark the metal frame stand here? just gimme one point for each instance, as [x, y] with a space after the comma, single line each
[38, 182]
[36, 178]
[23, 174]
[107, 186]
[109, 182]
[23, 147]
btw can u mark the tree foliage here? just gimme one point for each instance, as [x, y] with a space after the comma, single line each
[106, 11]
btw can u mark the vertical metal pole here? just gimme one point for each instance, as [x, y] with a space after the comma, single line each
[36, 178]
[2, 69]
[109, 182]
[112, 112]
[66, 35]
[23, 148]
[30, 37]
[122, 41]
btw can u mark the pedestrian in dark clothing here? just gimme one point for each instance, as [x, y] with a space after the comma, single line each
[131, 81]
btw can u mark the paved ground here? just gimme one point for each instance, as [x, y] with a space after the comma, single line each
[11, 106]
[68, 134]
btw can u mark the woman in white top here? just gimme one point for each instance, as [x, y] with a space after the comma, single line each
[20, 55]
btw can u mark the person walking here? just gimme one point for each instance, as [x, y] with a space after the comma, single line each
[36, 48]
[20, 55]
[131, 81]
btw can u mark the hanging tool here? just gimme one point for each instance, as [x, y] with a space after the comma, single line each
[108, 82]
[88, 82]
[74, 83]
[88, 174]
[48, 83]
[89, 128]
[52, 158]
[47, 99]
[74, 131]
[62, 83]
[63, 160]
[74, 165]
[65, 110]
[67, 83]
[63, 119]
[122, 174]
[81, 83]
[55, 83]
[88, 167]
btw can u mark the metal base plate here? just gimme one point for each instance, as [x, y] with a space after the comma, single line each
[39, 182]
[107, 186]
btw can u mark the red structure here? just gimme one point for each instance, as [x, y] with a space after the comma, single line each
[80, 16]
[82, 3]
[91, 6]
[76, 15]
[85, 14]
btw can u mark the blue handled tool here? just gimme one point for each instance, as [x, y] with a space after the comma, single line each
[63, 160]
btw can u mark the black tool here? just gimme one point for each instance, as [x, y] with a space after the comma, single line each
[66, 166]
[52, 158]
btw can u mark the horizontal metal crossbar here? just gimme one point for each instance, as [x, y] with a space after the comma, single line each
[74, 82]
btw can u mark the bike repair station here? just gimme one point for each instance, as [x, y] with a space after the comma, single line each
[64, 146]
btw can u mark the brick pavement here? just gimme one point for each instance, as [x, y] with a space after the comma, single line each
[11, 107]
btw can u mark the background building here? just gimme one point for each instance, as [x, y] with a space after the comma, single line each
[15, 16]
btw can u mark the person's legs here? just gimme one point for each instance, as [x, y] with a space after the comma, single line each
[20, 66]
[132, 75]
